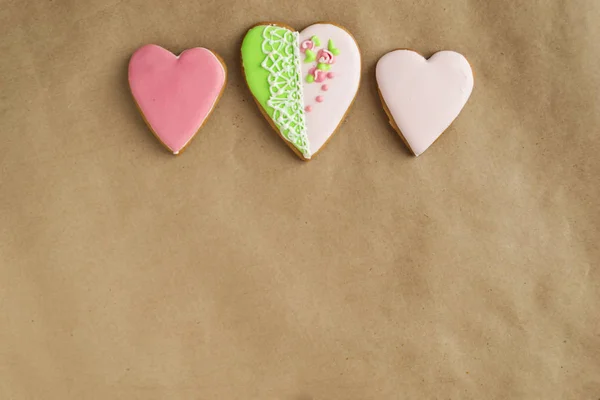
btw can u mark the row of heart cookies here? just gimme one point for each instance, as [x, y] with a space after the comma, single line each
[304, 84]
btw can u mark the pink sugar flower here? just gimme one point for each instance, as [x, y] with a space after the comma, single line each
[306, 45]
[325, 57]
[319, 75]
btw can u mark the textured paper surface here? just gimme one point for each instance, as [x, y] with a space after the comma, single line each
[236, 271]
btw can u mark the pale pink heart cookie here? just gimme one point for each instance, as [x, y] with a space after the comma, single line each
[176, 94]
[423, 97]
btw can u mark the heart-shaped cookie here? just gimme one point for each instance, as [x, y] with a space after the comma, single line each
[176, 94]
[304, 82]
[422, 97]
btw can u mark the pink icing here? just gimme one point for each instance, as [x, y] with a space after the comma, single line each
[326, 117]
[324, 88]
[330, 75]
[320, 99]
[175, 94]
[308, 108]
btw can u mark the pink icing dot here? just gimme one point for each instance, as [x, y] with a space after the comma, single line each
[330, 75]
[324, 88]
[319, 99]
[308, 108]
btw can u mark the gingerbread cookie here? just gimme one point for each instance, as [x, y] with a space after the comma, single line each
[304, 82]
[176, 94]
[423, 97]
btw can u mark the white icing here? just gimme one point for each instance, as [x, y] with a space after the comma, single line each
[282, 61]
[424, 96]
[324, 118]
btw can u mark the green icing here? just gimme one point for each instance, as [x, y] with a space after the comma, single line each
[316, 41]
[310, 78]
[310, 56]
[324, 67]
[256, 75]
[332, 48]
[271, 61]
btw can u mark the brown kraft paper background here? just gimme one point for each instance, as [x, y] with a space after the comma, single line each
[237, 271]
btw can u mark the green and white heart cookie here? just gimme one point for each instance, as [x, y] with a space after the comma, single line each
[304, 82]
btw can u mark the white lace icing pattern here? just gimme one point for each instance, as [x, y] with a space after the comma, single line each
[282, 49]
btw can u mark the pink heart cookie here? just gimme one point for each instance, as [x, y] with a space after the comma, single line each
[176, 94]
[423, 97]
